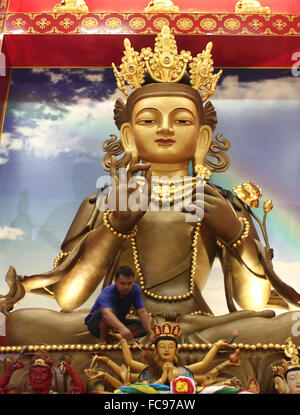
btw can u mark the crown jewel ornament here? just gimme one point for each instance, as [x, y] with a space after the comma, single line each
[164, 64]
[291, 351]
[166, 330]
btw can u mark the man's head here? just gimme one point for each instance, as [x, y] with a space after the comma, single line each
[124, 280]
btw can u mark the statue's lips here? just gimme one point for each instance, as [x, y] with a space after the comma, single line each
[165, 141]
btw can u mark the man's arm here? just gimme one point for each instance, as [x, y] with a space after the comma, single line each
[146, 322]
[112, 320]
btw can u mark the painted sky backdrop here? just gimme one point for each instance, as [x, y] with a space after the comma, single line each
[51, 151]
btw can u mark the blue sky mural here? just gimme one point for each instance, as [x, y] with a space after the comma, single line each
[51, 151]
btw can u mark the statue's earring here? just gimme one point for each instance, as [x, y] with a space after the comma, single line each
[201, 151]
[202, 171]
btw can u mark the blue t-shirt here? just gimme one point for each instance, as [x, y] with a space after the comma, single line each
[110, 298]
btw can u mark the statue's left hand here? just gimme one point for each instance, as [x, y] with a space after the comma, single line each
[219, 216]
[16, 364]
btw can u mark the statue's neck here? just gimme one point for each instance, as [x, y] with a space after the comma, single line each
[170, 170]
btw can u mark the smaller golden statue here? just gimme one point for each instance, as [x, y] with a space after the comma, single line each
[161, 365]
[250, 7]
[71, 6]
[163, 6]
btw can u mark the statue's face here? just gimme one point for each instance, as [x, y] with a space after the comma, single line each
[280, 384]
[293, 381]
[166, 350]
[165, 129]
[40, 378]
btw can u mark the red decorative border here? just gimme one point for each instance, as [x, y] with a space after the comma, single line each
[147, 23]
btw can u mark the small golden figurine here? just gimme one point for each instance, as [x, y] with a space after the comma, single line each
[250, 7]
[164, 6]
[71, 6]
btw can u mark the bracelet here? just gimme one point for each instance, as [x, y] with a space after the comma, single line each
[116, 233]
[241, 239]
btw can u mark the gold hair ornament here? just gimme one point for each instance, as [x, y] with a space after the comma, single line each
[164, 64]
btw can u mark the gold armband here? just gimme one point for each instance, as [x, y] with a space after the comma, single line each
[59, 257]
[116, 233]
[241, 239]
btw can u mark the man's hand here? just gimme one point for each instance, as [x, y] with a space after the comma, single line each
[126, 333]
[150, 338]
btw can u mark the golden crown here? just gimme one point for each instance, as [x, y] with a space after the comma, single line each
[41, 358]
[291, 351]
[166, 330]
[40, 362]
[164, 64]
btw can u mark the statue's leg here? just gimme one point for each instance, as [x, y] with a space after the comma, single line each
[252, 330]
[192, 325]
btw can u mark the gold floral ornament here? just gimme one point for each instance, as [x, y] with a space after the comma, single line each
[163, 6]
[249, 193]
[268, 206]
[291, 352]
[201, 72]
[164, 64]
[251, 7]
[71, 6]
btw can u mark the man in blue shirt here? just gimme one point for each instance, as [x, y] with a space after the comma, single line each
[112, 306]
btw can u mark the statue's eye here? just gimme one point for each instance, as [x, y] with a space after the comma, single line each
[146, 122]
[183, 122]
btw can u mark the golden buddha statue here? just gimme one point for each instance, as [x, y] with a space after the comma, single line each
[163, 6]
[164, 127]
[251, 7]
[71, 6]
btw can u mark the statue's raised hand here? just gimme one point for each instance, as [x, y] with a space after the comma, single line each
[127, 209]
[218, 215]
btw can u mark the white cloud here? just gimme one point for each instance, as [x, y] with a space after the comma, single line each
[56, 77]
[11, 234]
[277, 89]
[81, 130]
[8, 143]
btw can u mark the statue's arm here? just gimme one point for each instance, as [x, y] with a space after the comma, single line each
[206, 361]
[129, 361]
[251, 292]
[78, 386]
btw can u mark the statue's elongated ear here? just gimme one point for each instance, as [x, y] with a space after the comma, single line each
[128, 141]
[203, 144]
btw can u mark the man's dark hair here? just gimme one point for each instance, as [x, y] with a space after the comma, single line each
[125, 270]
